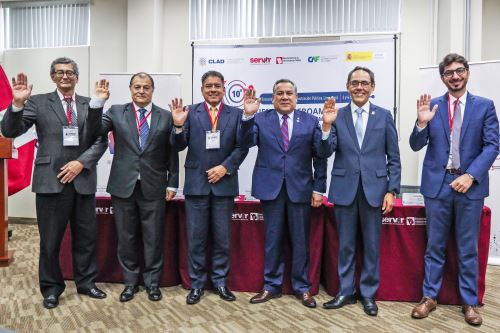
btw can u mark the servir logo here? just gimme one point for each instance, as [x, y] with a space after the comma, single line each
[313, 59]
[259, 61]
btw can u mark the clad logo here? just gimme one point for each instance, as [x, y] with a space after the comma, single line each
[260, 61]
[215, 61]
[313, 59]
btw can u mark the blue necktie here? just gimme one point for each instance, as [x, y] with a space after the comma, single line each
[144, 129]
[359, 126]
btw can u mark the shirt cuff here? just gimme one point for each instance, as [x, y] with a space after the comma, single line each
[318, 192]
[96, 102]
[16, 109]
[173, 189]
[245, 117]
[420, 129]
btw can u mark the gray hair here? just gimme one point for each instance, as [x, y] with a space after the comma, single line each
[63, 60]
[284, 81]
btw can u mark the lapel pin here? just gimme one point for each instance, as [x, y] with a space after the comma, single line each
[298, 119]
[373, 113]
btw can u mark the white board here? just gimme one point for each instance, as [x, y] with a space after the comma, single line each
[167, 87]
[482, 83]
[318, 69]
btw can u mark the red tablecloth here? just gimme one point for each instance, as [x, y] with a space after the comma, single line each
[402, 247]
[403, 242]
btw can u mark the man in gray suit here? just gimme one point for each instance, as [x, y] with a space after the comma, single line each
[144, 173]
[64, 178]
[214, 155]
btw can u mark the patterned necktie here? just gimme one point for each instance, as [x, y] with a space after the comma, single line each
[284, 131]
[455, 140]
[144, 129]
[213, 114]
[359, 126]
[69, 110]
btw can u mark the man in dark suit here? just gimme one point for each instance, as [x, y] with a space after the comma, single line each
[460, 131]
[366, 177]
[144, 174]
[289, 143]
[209, 130]
[64, 178]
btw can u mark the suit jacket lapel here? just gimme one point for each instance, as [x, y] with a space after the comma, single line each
[223, 119]
[81, 111]
[155, 118]
[202, 115]
[443, 113]
[469, 105]
[297, 128]
[56, 106]
[346, 113]
[130, 118]
[274, 123]
[372, 114]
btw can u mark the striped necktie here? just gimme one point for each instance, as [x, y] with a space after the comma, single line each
[70, 112]
[144, 129]
[284, 132]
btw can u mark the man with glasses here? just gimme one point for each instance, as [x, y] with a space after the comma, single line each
[460, 131]
[64, 177]
[209, 130]
[366, 177]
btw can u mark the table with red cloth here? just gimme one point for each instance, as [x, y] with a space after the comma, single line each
[403, 241]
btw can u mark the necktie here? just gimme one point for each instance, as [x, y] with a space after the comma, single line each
[144, 129]
[213, 115]
[284, 131]
[455, 140]
[70, 111]
[358, 126]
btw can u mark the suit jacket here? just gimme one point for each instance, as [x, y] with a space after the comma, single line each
[478, 145]
[274, 165]
[157, 164]
[46, 112]
[376, 164]
[199, 159]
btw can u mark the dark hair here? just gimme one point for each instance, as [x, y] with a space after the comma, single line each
[284, 81]
[360, 68]
[63, 60]
[451, 58]
[212, 73]
[142, 75]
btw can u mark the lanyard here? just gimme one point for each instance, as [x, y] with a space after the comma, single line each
[140, 123]
[213, 121]
[450, 116]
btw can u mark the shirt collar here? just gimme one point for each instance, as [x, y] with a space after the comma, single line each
[365, 107]
[290, 115]
[462, 99]
[208, 106]
[147, 107]
[61, 96]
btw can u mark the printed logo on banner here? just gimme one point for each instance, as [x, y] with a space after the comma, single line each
[104, 210]
[279, 60]
[409, 220]
[244, 217]
[313, 59]
[235, 92]
[203, 61]
[284, 60]
[359, 56]
[260, 61]
[215, 61]
[316, 59]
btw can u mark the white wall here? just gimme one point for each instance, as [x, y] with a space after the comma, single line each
[125, 37]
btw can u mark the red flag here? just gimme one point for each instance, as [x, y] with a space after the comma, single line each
[19, 169]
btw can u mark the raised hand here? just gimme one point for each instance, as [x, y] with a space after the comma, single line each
[102, 89]
[330, 110]
[251, 103]
[21, 90]
[179, 114]
[424, 112]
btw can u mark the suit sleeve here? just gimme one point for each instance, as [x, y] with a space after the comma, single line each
[392, 154]
[248, 133]
[16, 123]
[180, 141]
[419, 138]
[238, 154]
[173, 168]
[482, 163]
[91, 156]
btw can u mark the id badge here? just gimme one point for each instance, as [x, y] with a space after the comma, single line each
[213, 139]
[70, 136]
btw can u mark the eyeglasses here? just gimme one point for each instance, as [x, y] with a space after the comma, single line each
[356, 83]
[69, 74]
[460, 71]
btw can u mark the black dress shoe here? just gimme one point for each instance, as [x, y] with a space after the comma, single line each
[154, 293]
[340, 301]
[225, 293]
[194, 296]
[93, 292]
[369, 306]
[128, 293]
[51, 301]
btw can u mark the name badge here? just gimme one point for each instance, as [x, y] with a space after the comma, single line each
[70, 136]
[213, 139]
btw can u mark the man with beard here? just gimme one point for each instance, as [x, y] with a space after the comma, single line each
[460, 131]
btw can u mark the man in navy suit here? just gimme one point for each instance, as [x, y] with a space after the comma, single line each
[460, 131]
[209, 130]
[289, 144]
[366, 177]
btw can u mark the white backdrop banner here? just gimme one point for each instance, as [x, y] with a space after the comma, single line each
[167, 87]
[318, 69]
[481, 84]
